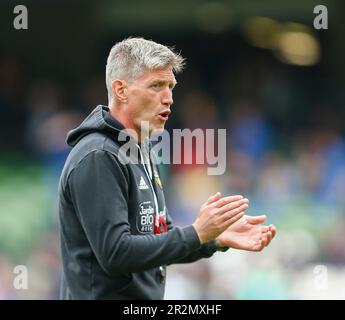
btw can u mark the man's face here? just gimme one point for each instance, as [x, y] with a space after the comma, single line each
[150, 98]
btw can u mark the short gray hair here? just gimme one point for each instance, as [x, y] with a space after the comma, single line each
[129, 58]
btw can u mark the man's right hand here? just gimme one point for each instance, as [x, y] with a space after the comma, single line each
[217, 214]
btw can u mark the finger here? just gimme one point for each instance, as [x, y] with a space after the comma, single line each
[264, 240]
[226, 200]
[233, 205]
[273, 230]
[268, 238]
[213, 198]
[256, 219]
[232, 219]
[262, 246]
[229, 214]
[265, 229]
[258, 246]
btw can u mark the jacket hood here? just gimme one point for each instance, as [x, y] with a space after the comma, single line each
[99, 120]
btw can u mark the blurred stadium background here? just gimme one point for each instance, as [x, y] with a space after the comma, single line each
[256, 68]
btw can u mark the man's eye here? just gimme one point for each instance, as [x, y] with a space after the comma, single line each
[156, 85]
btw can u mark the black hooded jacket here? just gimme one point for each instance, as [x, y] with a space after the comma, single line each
[112, 246]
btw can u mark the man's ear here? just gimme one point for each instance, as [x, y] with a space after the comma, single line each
[119, 88]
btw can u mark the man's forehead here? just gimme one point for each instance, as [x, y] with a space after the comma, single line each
[165, 74]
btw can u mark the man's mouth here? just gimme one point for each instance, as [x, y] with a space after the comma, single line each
[164, 115]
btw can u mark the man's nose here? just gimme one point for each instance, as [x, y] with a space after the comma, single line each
[167, 98]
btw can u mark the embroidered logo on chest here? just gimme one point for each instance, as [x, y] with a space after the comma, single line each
[142, 184]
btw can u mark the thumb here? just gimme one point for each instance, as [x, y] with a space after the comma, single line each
[213, 198]
[256, 219]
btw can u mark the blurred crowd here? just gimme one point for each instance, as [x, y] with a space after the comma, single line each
[285, 152]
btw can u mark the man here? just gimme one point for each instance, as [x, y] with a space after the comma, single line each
[116, 234]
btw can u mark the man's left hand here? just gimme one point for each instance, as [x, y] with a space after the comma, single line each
[247, 233]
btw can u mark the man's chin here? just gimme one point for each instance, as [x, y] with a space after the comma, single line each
[156, 131]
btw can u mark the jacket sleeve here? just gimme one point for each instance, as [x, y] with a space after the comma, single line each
[99, 191]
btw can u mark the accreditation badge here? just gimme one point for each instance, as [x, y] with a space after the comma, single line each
[157, 179]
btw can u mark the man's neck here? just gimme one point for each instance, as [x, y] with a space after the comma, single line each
[127, 123]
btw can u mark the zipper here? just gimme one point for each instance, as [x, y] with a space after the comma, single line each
[162, 270]
[151, 185]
